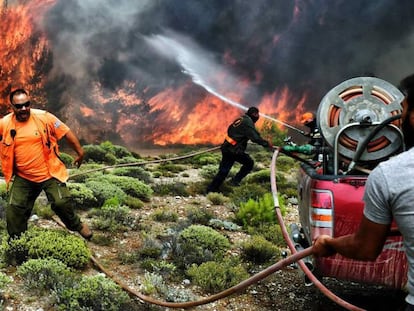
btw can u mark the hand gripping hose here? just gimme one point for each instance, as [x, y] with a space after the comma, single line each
[292, 248]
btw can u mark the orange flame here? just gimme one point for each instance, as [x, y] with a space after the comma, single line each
[136, 113]
[23, 47]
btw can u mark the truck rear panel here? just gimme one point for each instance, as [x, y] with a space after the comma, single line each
[333, 205]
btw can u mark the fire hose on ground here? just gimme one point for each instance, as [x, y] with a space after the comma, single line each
[296, 256]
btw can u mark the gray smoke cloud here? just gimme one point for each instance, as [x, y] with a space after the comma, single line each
[308, 46]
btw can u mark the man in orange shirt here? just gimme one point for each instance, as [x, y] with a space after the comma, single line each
[29, 152]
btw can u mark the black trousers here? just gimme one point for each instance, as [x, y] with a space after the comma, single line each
[227, 161]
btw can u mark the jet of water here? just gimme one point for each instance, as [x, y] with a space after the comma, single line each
[200, 65]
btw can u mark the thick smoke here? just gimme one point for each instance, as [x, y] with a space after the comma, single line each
[307, 46]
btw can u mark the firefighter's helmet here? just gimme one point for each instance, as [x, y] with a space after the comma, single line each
[307, 117]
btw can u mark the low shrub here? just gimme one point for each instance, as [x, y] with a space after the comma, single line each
[217, 198]
[255, 213]
[174, 188]
[165, 215]
[113, 216]
[44, 274]
[83, 197]
[133, 203]
[285, 163]
[37, 243]
[67, 159]
[104, 190]
[261, 177]
[209, 171]
[4, 281]
[92, 293]
[271, 232]
[151, 248]
[204, 159]
[131, 186]
[258, 250]
[199, 216]
[214, 276]
[246, 192]
[198, 244]
[137, 172]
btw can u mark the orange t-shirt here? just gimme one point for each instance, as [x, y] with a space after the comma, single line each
[29, 160]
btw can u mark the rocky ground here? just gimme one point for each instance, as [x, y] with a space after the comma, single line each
[284, 290]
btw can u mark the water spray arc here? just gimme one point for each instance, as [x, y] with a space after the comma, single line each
[187, 55]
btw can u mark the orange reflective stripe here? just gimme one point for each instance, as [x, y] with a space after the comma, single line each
[231, 140]
[321, 217]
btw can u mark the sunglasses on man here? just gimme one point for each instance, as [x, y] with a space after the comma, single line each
[20, 106]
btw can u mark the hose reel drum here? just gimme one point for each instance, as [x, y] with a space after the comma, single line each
[349, 112]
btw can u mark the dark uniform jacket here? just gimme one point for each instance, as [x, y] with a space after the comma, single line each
[239, 133]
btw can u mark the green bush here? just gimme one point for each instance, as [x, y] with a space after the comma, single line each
[259, 250]
[209, 171]
[37, 243]
[104, 190]
[137, 172]
[246, 192]
[199, 216]
[151, 248]
[83, 197]
[217, 198]
[214, 277]
[113, 216]
[271, 232]
[133, 203]
[4, 281]
[67, 159]
[3, 191]
[261, 177]
[131, 186]
[116, 150]
[198, 244]
[255, 213]
[171, 167]
[94, 153]
[44, 274]
[165, 215]
[174, 188]
[93, 293]
[285, 163]
[204, 159]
